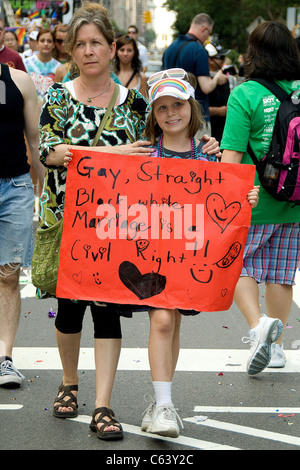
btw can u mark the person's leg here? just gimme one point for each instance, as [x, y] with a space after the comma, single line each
[16, 244]
[284, 262]
[278, 300]
[163, 351]
[69, 347]
[107, 353]
[163, 345]
[68, 325]
[246, 296]
[10, 303]
[108, 337]
[285, 257]
[263, 330]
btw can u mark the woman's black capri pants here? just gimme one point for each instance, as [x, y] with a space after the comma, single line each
[70, 315]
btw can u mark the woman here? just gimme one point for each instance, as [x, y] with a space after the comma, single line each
[128, 66]
[11, 41]
[63, 124]
[272, 250]
[60, 33]
[42, 66]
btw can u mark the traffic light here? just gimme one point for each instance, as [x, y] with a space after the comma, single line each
[147, 17]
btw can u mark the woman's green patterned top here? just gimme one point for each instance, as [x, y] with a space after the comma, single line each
[65, 120]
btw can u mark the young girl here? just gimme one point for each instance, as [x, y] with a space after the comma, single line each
[172, 124]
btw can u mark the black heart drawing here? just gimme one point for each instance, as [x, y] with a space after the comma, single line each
[77, 277]
[142, 285]
[221, 213]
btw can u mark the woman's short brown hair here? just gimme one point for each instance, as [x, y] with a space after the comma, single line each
[272, 53]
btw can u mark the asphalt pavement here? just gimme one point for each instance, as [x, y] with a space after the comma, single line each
[221, 406]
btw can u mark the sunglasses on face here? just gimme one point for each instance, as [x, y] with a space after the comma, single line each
[171, 73]
[59, 41]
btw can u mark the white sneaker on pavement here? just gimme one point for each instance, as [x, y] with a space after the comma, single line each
[278, 358]
[164, 421]
[261, 338]
[147, 416]
[9, 375]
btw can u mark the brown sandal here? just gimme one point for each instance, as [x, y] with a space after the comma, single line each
[101, 433]
[70, 402]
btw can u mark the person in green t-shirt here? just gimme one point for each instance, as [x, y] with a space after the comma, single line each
[272, 249]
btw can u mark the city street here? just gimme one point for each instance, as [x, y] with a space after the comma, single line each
[221, 407]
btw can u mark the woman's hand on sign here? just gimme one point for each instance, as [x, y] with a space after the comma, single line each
[140, 147]
[211, 146]
[253, 196]
[67, 158]
[56, 155]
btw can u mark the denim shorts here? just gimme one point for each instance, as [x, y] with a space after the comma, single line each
[272, 253]
[16, 220]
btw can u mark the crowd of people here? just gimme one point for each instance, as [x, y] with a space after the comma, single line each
[170, 115]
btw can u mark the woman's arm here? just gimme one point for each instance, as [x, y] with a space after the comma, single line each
[62, 154]
[231, 156]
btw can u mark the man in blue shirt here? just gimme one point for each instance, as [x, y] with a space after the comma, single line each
[188, 52]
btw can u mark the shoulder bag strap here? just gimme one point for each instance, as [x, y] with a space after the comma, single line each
[178, 52]
[273, 88]
[278, 92]
[107, 113]
[134, 72]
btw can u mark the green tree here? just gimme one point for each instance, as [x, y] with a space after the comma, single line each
[231, 17]
[150, 37]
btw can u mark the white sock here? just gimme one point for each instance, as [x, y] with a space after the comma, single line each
[162, 393]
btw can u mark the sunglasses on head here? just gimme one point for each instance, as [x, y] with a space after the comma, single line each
[170, 73]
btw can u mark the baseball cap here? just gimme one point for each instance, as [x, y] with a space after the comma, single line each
[216, 50]
[169, 86]
[33, 35]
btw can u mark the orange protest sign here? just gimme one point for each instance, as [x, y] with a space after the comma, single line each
[153, 231]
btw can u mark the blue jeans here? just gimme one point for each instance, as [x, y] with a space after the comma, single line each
[16, 220]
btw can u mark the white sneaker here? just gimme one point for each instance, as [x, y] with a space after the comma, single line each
[261, 338]
[147, 416]
[164, 421]
[9, 375]
[278, 358]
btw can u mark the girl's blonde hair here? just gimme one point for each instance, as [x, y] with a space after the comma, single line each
[152, 129]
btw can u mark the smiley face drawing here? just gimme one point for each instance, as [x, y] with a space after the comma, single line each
[204, 275]
[221, 213]
[141, 245]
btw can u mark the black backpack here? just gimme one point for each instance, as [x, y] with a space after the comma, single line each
[279, 171]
